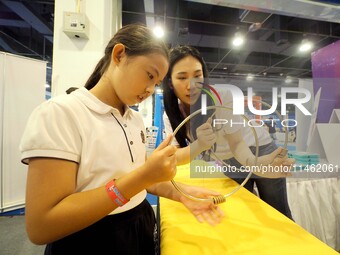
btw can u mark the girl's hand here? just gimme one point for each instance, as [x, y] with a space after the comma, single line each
[202, 210]
[161, 165]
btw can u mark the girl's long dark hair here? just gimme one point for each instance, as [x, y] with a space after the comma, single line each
[171, 105]
[137, 39]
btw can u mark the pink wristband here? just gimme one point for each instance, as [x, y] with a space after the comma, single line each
[114, 194]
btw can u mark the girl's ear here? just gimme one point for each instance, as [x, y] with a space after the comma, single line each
[118, 52]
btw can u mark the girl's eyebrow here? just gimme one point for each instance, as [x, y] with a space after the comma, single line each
[157, 73]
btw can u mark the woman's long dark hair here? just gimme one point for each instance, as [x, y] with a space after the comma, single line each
[171, 105]
[137, 39]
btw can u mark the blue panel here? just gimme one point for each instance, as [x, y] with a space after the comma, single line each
[14, 212]
[152, 199]
[333, 2]
[158, 117]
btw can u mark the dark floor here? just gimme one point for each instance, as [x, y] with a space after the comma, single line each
[13, 238]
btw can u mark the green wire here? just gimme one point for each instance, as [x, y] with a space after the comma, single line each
[210, 94]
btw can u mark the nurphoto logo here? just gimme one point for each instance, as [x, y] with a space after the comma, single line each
[238, 102]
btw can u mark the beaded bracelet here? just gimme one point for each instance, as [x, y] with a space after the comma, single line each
[114, 194]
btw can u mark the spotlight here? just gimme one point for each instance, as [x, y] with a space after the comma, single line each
[306, 45]
[158, 32]
[238, 39]
[250, 77]
[288, 80]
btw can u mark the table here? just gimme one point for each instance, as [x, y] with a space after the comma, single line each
[250, 227]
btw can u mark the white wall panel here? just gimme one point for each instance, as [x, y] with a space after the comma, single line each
[2, 80]
[23, 88]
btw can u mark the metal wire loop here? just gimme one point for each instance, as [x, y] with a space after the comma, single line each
[222, 198]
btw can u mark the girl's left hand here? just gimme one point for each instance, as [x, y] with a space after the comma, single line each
[204, 211]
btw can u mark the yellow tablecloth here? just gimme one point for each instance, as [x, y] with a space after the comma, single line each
[250, 227]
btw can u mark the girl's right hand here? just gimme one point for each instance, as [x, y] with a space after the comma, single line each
[161, 165]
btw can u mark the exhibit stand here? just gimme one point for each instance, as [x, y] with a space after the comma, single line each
[22, 88]
[302, 119]
[325, 139]
[314, 195]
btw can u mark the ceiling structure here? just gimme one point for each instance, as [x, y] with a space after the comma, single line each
[270, 50]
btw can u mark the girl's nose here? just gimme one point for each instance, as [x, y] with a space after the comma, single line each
[149, 90]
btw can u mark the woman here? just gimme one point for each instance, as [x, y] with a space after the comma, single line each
[232, 145]
[87, 174]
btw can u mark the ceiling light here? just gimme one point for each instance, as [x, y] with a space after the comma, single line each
[238, 40]
[250, 77]
[305, 45]
[288, 80]
[158, 32]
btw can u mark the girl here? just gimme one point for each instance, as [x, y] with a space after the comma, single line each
[87, 174]
[181, 98]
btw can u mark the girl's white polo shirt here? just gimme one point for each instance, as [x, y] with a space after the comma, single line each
[81, 128]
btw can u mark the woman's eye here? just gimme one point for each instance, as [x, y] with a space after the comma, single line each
[181, 78]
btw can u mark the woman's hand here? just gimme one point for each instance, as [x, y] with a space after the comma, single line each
[274, 165]
[205, 136]
[204, 211]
